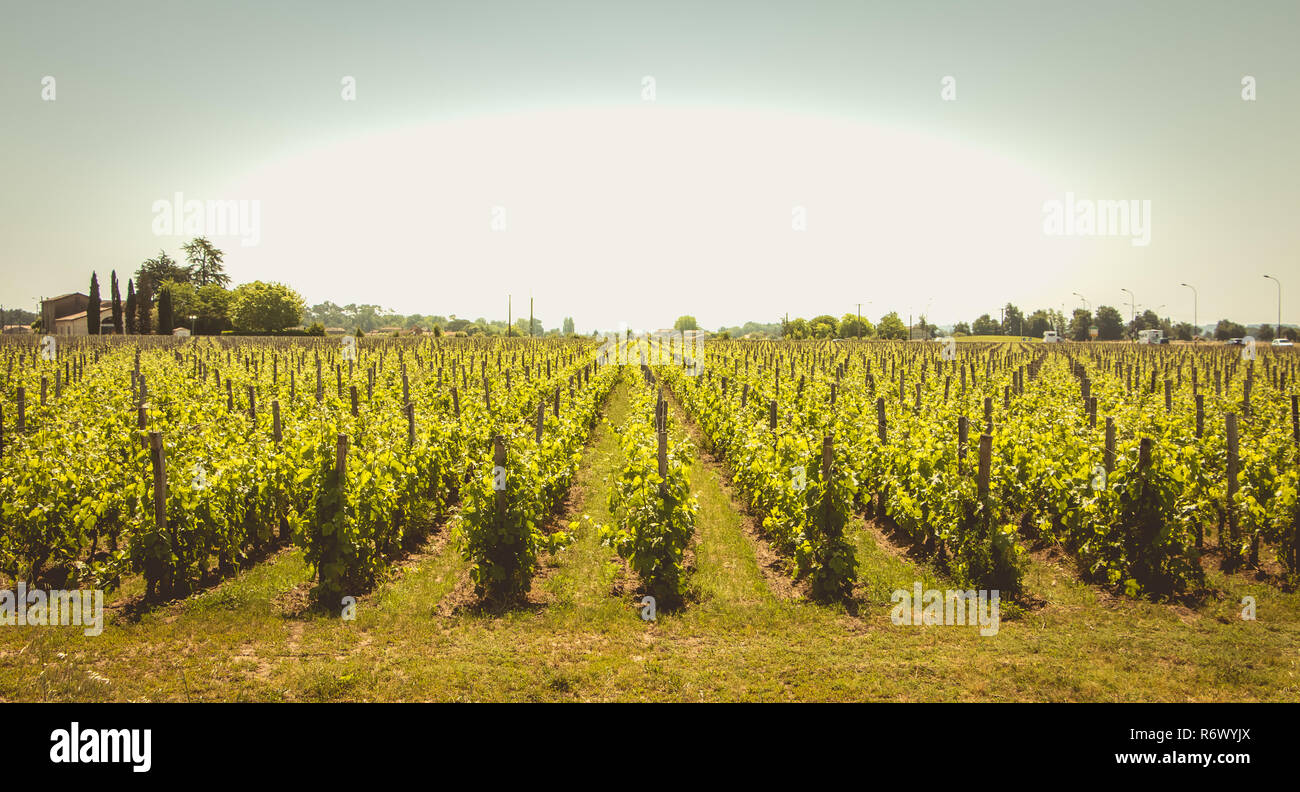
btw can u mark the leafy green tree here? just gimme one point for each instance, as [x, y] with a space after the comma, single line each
[686, 323]
[1110, 323]
[1147, 320]
[209, 305]
[1226, 328]
[265, 307]
[1039, 322]
[1183, 331]
[205, 263]
[568, 326]
[92, 307]
[763, 330]
[923, 329]
[17, 316]
[521, 327]
[1265, 333]
[961, 328]
[984, 325]
[1013, 320]
[1056, 320]
[795, 329]
[154, 271]
[212, 306]
[1079, 324]
[891, 328]
[853, 327]
[823, 326]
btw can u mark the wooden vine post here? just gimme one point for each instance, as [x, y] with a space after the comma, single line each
[985, 465]
[157, 456]
[1232, 485]
[963, 436]
[499, 461]
[830, 527]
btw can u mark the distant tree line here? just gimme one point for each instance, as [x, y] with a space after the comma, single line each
[163, 295]
[368, 318]
[1012, 321]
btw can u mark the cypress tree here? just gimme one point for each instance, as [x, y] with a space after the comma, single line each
[143, 303]
[117, 307]
[129, 310]
[92, 308]
[165, 322]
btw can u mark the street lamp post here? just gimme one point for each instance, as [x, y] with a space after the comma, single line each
[1132, 306]
[1278, 334]
[1196, 327]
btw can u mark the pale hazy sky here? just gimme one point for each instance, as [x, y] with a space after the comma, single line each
[622, 209]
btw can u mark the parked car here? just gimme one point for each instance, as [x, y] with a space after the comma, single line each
[1282, 342]
[1236, 342]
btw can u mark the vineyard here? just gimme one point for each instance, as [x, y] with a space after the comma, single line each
[481, 482]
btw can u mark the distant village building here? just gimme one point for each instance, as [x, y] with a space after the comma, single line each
[75, 324]
[180, 332]
[17, 330]
[56, 308]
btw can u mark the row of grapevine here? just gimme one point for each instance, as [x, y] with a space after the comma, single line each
[796, 477]
[650, 496]
[507, 502]
[1132, 502]
[252, 435]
